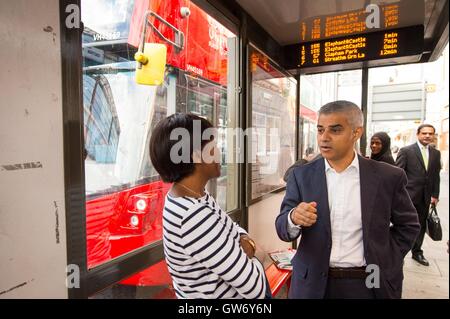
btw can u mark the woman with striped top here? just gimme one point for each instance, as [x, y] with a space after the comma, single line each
[208, 255]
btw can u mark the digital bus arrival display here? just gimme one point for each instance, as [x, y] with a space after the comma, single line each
[389, 16]
[347, 23]
[363, 47]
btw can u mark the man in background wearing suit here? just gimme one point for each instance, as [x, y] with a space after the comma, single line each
[343, 205]
[422, 165]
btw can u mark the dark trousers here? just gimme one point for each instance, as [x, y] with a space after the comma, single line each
[343, 288]
[422, 211]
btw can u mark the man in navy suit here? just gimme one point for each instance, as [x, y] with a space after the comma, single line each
[353, 215]
[422, 165]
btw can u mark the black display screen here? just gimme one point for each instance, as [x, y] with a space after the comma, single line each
[392, 43]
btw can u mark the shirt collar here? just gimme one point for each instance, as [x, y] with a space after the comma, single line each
[422, 146]
[354, 163]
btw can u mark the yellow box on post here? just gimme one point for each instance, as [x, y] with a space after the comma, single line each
[151, 64]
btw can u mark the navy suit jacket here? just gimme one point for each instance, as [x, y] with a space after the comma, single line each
[384, 200]
[422, 183]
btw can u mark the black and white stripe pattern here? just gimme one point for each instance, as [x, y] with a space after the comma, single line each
[202, 251]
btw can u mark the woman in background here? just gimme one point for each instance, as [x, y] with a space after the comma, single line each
[380, 144]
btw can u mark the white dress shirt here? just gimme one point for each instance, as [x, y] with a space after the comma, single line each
[344, 199]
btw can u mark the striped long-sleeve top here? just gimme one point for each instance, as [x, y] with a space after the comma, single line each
[203, 253]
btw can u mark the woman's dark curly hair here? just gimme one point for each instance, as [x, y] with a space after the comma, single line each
[161, 145]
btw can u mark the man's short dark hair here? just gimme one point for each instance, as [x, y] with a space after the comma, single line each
[425, 125]
[353, 113]
[161, 145]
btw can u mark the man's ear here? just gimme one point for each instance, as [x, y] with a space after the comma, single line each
[358, 133]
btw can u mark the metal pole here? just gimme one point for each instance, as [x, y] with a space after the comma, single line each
[424, 96]
[364, 92]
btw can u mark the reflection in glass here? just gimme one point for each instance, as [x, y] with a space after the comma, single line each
[124, 194]
[273, 122]
[151, 283]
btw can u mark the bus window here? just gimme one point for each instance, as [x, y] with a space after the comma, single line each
[124, 194]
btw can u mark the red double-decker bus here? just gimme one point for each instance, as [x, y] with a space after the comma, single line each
[124, 194]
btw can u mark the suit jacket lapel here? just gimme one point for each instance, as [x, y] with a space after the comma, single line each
[323, 195]
[369, 183]
[419, 156]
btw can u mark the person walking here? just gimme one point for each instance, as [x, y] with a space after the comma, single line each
[380, 145]
[422, 164]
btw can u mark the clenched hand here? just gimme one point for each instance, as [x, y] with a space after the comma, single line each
[305, 214]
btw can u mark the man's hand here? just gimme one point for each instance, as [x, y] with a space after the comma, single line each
[434, 200]
[247, 245]
[305, 214]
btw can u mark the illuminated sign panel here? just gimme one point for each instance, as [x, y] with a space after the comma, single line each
[392, 15]
[347, 23]
[372, 46]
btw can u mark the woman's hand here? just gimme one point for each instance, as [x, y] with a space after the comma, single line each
[248, 245]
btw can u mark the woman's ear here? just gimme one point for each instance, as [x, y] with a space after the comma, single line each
[210, 153]
[197, 156]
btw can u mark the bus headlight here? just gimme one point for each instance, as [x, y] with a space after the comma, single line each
[141, 204]
[134, 221]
